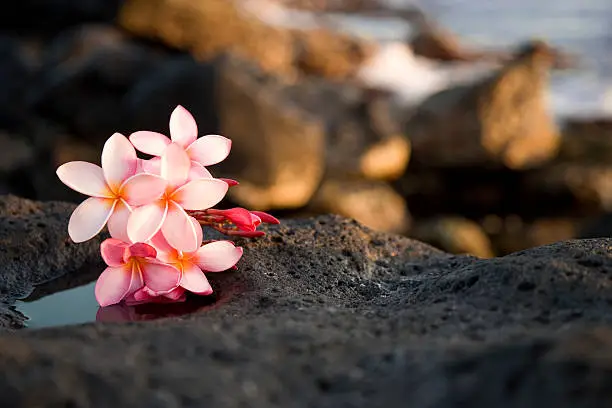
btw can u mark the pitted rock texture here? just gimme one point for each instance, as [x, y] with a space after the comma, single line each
[326, 313]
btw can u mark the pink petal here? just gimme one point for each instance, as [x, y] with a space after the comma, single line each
[152, 143]
[194, 280]
[175, 165]
[84, 177]
[89, 218]
[217, 256]
[176, 295]
[118, 160]
[160, 244]
[145, 221]
[178, 229]
[265, 217]
[142, 189]
[200, 194]
[112, 251]
[158, 277]
[183, 127]
[199, 232]
[113, 285]
[197, 171]
[152, 166]
[117, 223]
[209, 149]
[140, 250]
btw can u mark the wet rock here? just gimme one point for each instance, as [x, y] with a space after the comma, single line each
[278, 148]
[36, 248]
[374, 204]
[453, 234]
[343, 316]
[502, 120]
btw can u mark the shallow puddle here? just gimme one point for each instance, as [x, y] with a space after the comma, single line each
[78, 305]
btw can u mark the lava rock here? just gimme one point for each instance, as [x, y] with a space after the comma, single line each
[324, 312]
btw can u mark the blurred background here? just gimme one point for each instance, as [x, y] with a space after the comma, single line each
[481, 127]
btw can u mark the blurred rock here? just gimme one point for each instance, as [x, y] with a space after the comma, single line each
[453, 234]
[434, 42]
[365, 139]
[86, 72]
[15, 76]
[373, 203]
[330, 54]
[278, 148]
[209, 28]
[502, 120]
[343, 6]
[587, 140]
[50, 16]
[511, 233]
[177, 80]
[587, 186]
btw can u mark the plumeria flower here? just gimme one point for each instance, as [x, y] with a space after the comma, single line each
[113, 188]
[167, 213]
[216, 256]
[130, 268]
[204, 151]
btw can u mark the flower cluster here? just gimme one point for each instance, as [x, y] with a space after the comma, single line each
[154, 210]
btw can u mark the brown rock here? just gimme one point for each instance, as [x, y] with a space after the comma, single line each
[212, 27]
[207, 28]
[365, 140]
[278, 149]
[287, 135]
[453, 234]
[330, 54]
[502, 120]
[587, 140]
[434, 42]
[373, 203]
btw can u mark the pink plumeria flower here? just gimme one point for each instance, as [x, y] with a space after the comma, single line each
[216, 256]
[204, 151]
[167, 213]
[113, 188]
[244, 219]
[145, 295]
[130, 268]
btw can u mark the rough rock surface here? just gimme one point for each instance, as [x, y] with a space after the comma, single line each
[323, 312]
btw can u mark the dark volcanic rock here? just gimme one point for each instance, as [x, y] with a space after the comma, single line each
[326, 313]
[50, 16]
[35, 247]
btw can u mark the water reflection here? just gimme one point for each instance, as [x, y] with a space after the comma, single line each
[78, 305]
